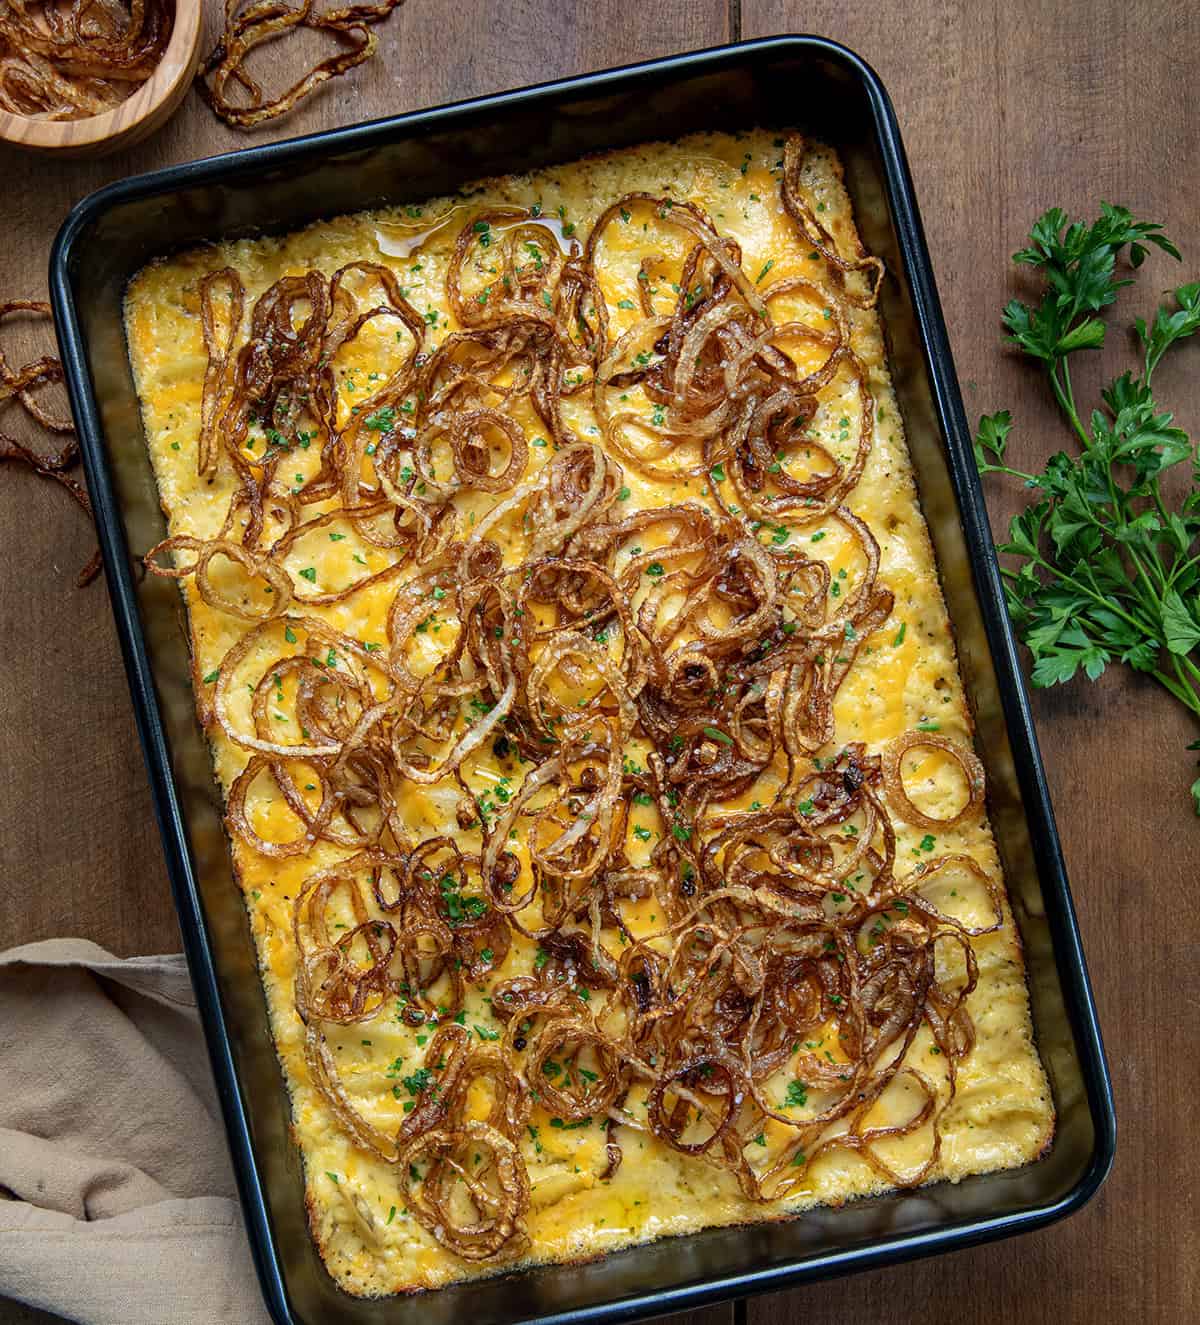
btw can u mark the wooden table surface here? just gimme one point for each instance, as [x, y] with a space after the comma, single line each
[1006, 108]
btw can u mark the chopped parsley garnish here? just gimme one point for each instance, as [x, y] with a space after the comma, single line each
[381, 420]
[460, 907]
[418, 1082]
[797, 1095]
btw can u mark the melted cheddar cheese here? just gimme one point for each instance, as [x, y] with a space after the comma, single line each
[905, 676]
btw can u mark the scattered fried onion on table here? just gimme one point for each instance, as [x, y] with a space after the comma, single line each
[777, 924]
[251, 23]
[19, 386]
[69, 61]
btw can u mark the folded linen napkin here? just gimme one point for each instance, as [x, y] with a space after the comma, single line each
[117, 1201]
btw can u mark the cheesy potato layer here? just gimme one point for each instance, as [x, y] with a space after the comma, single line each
[904, 677]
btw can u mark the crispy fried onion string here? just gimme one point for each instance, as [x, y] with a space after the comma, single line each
[74, 60]
[632, 710]
[902, 802]
[251, 23]
[21, 387]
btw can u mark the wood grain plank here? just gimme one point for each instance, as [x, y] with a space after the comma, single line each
[1007, 109]
[14, 1313]
[538, 40]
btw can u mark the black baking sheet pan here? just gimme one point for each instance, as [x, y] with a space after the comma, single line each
[803, 82]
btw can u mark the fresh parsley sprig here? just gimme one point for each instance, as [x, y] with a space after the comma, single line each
[1107, 565]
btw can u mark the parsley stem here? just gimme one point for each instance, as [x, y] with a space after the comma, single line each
[1094, 596]
[1066, 398]
[1156, 494]
[1191, 666]
[1141, 570]
[1173, 687]
[989, 468]
[1185, 693]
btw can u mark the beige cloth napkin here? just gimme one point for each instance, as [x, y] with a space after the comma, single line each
[117, 1202]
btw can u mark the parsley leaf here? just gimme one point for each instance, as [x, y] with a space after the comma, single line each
[1181, 629]
[1105, 558]
[1170, 326]
[992, 438]
[1079, 264]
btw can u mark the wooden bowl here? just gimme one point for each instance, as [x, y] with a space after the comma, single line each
[136, 117]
